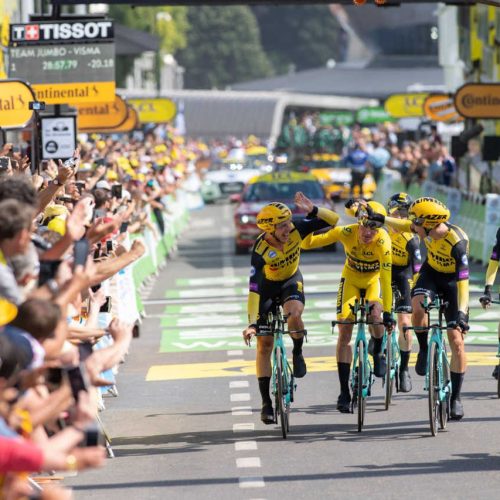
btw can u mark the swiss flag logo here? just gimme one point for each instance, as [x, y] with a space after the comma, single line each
[32, 32]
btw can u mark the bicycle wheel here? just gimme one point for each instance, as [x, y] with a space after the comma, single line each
[444, 407]
[362, 380]
[280, 404]
[433, 388]
[389, 373]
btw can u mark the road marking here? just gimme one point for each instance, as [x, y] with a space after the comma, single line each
[240, 396]
[234, 367]
[235, 353]
[241, 411]
[252, 482]
[245, 427]
[248, 462]
[238, 384]
[245, 445]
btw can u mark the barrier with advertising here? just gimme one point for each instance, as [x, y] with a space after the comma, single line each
[477, 215]
[158, 110]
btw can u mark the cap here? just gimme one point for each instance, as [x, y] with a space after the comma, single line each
[103, 185]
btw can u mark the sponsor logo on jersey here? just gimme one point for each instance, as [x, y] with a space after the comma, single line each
[252, 271]
[272, 254]
[465, 260]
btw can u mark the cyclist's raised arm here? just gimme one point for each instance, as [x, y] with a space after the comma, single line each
[254, 287]
[459, 253]
[399, 225]
[316, 218]
[491, 271]
[413, 249]
[319, 240]
[384, 244]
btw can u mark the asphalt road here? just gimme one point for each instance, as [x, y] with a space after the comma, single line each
[186, 422]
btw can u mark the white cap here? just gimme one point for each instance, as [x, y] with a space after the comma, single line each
[103, 184]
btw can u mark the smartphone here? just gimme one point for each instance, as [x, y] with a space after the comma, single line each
[78, 380]
[99, 161]
[80, 252]
[4, 162]
[93, 436]
[80, 185]
[109, 246]
[97, 253]
[48, 270]
[70, 162]
[116, 191]
[124, 227]
[106, 307]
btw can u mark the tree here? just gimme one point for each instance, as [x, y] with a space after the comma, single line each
[170, 24]
[223, 47]
[309, 35]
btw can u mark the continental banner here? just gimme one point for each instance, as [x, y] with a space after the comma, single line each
[478, 100]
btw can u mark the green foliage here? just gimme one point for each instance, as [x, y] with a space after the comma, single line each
[223, 47]
[302, 36]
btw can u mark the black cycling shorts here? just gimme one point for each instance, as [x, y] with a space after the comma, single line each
[290, 289]
[402, 279]
[431, 282]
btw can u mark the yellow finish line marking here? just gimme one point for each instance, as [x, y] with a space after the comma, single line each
[234, 368]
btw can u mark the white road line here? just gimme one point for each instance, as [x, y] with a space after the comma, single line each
[248, 462]
[245, 445]
[244, 427]
[240, 396]
[238, 352]
[243, 411]
[238, 384]
[252, 482]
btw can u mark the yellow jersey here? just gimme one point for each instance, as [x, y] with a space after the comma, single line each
[406, 250]
[366, 260]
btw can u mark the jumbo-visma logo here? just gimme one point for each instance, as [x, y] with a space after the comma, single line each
[478, 100]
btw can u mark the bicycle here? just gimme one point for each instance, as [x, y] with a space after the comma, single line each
[437, 376]
[283, 382]
[392, 356]
[362, 376]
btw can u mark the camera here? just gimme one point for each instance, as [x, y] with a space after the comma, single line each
[77, 377]
[71, 162]
[37, 105]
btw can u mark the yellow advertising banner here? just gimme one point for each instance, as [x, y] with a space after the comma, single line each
[154, 110]
[405, 105]
[440, 108]
[102, 114]
[15, 97]
[478, 100]
[131, 123]
[75, 93]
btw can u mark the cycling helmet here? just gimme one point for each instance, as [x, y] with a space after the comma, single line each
[399, 201]
[428, 212]
[272, 214]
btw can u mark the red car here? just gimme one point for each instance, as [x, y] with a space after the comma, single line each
[276, 186]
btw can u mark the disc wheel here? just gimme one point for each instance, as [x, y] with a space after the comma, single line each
[444, 407]
[389, 375]
[433, 389]
[362, 379]
[280, 403]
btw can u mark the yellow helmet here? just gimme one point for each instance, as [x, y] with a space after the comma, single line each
[428, 212]
[272, 214]
[377, 207]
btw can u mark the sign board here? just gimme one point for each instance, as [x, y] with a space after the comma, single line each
[58, 137]
[336, 118]
[102, 115]
[405, 105]
[68, 62]
[130, 124]
[375, 114]
[440, 108]
[477, 100]
[154, 110]
[15, 97]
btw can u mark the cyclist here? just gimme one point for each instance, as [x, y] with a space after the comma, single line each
[445, 271]
[367, 267]
[275, 273]
[491, 273]
[406, 263]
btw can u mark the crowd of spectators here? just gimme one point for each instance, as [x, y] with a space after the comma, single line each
[67, 229]
[368, 149]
